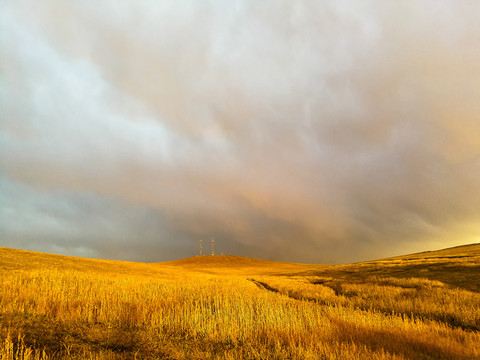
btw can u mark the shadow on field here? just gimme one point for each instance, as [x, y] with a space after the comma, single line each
[406, 345]
[461, 275]
[65, 338]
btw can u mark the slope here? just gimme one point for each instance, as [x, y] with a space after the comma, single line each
[239, 265]
[458, 266]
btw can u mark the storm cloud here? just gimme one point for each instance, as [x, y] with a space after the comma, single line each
[308, 131]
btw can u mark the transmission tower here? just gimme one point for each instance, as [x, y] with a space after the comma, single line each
[201, 247]
[213, 246]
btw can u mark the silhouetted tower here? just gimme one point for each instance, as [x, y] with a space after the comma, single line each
[213, 246]
[201, 247]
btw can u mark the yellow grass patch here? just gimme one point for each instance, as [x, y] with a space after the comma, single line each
[54, 307]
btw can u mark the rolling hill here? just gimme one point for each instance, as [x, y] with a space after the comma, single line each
[231, 264]
[468, 251]
[417, 306]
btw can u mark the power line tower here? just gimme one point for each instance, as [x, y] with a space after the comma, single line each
[213, 246]
[201, 247]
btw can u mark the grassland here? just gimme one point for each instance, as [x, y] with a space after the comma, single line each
[421, 306]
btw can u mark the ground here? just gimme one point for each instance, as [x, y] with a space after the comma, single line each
[419, 306]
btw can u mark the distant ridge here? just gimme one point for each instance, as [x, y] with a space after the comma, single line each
[17, 258]
[452, 252]
[223, 261]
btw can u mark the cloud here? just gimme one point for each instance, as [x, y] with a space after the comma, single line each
[306, 131]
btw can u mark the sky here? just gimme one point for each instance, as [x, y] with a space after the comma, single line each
[304, 131]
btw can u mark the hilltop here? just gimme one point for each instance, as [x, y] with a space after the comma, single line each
[232, 264]
[222, 261]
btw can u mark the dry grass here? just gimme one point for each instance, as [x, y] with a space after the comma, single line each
[54, 307]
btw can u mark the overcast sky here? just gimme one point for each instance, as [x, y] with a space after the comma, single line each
[307, 131]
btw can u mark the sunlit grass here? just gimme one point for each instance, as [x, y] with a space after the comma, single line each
[87, 309]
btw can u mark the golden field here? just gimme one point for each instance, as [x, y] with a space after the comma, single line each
[421, 306]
